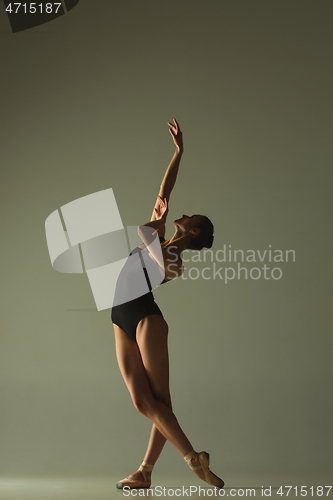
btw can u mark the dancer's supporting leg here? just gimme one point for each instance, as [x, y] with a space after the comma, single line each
[155, 445]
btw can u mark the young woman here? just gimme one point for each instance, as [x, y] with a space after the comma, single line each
[141, 331]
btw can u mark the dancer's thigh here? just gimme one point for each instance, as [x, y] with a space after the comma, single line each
[132, 368]
[152, 340]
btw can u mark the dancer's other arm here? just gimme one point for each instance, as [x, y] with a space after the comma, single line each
[150, 231]
[171, 267]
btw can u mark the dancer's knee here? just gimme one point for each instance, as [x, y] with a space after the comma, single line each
[144, 405]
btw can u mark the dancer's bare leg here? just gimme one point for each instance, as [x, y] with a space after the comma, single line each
[155, 359]
[144, 366]
[155, 445]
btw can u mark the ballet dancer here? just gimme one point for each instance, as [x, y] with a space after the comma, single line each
[141, 331]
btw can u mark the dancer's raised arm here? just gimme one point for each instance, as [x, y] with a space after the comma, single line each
[170, 176]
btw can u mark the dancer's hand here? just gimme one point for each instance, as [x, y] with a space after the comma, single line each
[177, 135]
[162, 209]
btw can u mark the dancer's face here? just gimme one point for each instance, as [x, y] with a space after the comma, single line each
[188, 223]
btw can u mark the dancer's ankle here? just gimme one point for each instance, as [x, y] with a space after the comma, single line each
[146, 470]
[190, 456]
[193, 462]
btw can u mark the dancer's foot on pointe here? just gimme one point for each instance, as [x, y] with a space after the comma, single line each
[139, 479]
[199, 463]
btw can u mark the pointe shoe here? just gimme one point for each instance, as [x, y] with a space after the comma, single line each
[203, 459]
[132, 482]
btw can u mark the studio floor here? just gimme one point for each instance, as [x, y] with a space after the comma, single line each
[103, 487]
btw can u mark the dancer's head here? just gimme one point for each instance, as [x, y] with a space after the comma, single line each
[199, 227]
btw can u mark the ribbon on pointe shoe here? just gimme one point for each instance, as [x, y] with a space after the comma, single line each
[203, 459]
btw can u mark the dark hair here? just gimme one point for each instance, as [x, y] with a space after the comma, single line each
[206, 237]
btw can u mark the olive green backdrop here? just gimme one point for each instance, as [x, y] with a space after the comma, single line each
[85, 101]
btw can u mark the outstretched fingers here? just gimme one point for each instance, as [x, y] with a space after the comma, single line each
[176, 134]
[174, 127]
